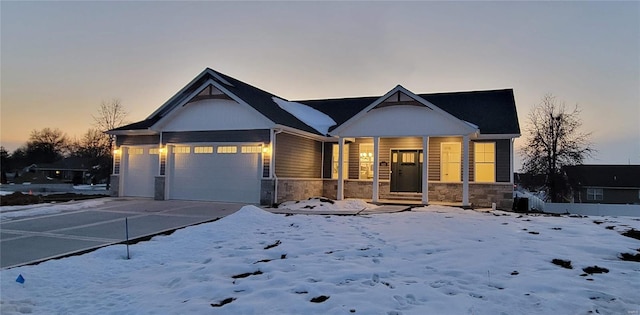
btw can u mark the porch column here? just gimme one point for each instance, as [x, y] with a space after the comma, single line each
[168, 170]
[376, 164]
[340, 192]
[465, 171]
[425, 170]
[124, 166]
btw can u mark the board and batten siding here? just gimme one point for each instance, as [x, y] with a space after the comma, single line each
[137, 140]
[503, 160]
[297, 157]
[256, 135]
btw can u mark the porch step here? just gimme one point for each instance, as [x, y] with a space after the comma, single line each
[403, 196]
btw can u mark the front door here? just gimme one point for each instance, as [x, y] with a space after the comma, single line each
[406, 170]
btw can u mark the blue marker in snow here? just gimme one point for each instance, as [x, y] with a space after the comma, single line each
[20, 279]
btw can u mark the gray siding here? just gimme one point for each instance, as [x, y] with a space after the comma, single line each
[258, 135]
[297, 157]
[137, 140]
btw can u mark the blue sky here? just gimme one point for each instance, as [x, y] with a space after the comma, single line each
[60, 60]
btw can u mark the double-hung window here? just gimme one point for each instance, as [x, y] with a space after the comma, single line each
[485, 162]
[594, 194]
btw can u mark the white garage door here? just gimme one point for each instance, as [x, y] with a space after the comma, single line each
[140, 169]
[217, 172]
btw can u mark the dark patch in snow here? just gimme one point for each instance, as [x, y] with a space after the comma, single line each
[562, 263]
[505, 223]
[598, 222]
[223, 302]
[273, 245]
[633, 233]
[352, 310]
[630, 257]
[556, 228]
[595, 269]
[300, 292]
[515, 273]
[610, 227]
[246, 274]
[308, 207]
[283, 256]
[534, 233]
[319, 299]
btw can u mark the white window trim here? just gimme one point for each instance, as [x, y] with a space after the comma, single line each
[360, 162]
[345, 161]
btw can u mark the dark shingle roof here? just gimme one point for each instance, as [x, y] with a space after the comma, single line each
[604, 175]
[494, 112]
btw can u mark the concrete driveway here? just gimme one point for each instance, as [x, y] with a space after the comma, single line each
[38, 238]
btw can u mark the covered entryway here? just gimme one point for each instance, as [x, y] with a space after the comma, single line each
[406, 171]
[140, 166]
[215, 172]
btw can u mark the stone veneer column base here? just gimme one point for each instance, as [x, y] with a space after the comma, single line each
[114, 185]
[158, 193]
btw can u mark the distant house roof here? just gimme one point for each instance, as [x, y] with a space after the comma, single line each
[66, 164]
[621, 176]
[493, 111]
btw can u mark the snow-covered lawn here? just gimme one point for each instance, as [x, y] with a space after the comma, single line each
[433, 260]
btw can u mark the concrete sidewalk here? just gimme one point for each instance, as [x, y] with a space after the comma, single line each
[34, 239]
[380, 209]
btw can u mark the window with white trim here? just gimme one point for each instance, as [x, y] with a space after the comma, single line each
[366, 160]
[485, 162]
[251, 149]
[135, 151]
[154, 151]
[181, 150]
[227, 149]
[203, 150]
[594, 194]
[335, 161]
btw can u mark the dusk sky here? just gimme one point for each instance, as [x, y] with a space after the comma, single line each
[60, 60]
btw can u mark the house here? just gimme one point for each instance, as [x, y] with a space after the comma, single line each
[71, 170]
[221, 139]
[611, 184]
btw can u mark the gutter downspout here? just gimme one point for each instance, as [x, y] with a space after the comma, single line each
[272, 164]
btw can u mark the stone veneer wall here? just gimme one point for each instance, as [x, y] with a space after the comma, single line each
[480, 195]
[299, 189]
[114, 185]
[158, 189]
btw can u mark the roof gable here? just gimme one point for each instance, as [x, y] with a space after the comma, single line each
[493, 111]
[421, 117]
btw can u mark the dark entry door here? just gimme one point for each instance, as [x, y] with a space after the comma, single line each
[406, 171]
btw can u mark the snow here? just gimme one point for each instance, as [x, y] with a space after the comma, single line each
[308, 115]
[433, 260]
[10, 212]
[324, 205]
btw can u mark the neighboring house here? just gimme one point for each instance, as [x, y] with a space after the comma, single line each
[71, 170]
[221, 139]
[613, 184]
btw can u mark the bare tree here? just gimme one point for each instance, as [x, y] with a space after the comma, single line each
[47, 145]
[111, 115]
[554, 140]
